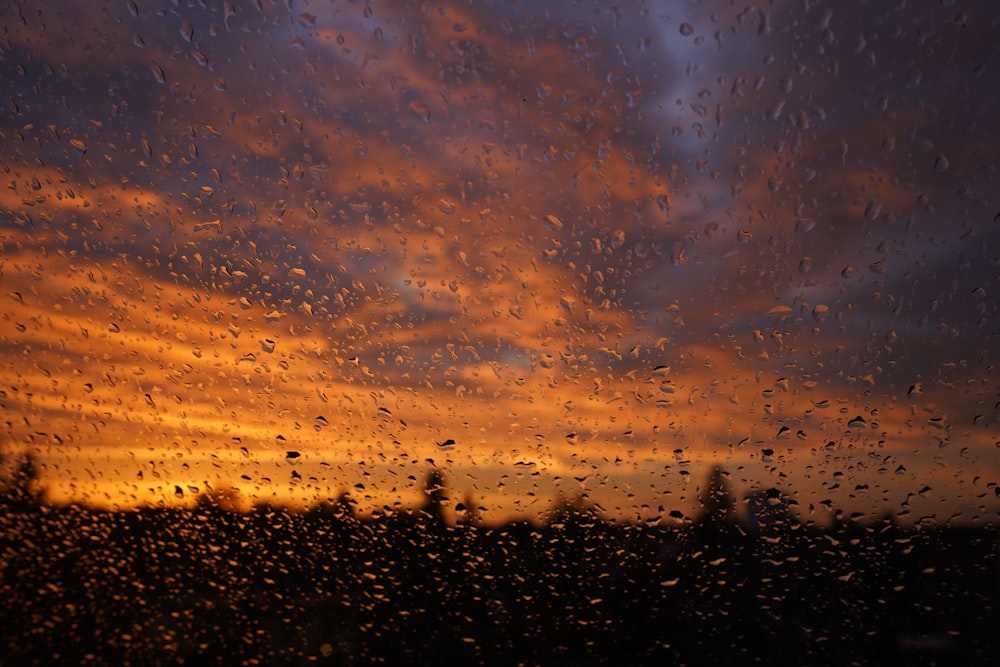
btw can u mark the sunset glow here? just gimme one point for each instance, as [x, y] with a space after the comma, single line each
[296, 249]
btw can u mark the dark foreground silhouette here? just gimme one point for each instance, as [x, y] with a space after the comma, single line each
[275, 587]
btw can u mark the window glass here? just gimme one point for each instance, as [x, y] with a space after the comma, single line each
[499, 332]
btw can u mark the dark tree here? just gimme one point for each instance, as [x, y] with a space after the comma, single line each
[718, 506]
[23, 491]
[435, 496]
[469, 511]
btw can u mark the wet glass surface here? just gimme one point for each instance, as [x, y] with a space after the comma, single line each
[499, 332]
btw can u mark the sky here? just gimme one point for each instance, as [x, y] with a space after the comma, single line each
[282, 250]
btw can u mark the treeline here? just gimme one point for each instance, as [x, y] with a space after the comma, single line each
[210, 585]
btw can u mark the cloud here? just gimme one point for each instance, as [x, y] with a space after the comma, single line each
[565, 237]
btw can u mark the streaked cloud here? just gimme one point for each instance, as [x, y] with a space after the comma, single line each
[591, 243]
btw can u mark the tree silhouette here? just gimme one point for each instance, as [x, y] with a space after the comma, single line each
[718, 506]
[577, 510]
[225, 497]
[344, 507]
[435, 497]
[469, 511]
[23, 491]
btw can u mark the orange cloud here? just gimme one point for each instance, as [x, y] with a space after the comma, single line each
[533, 248]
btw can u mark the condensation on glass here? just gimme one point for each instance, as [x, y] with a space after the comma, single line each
[498, 332]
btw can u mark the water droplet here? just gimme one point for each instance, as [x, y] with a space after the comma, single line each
[686, 29]
[553, 223]
[873, 210]
[420, 110]
[780, 312]
[211, 224]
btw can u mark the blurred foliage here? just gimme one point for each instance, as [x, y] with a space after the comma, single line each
[215, 585]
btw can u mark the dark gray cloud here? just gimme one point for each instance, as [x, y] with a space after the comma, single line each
[683, 225]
